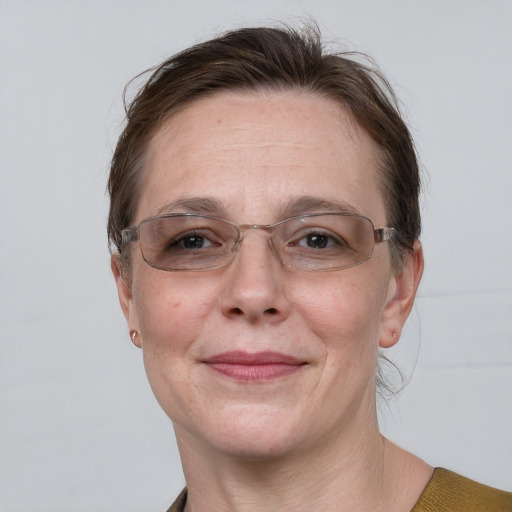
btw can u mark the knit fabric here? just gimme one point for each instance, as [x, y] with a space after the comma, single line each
[450, 492]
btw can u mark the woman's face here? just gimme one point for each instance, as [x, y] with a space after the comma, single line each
[205, 334]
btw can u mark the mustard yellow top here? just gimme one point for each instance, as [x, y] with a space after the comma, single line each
[450, 492]
[445, 492]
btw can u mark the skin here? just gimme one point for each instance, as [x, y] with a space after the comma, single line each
[309, 439]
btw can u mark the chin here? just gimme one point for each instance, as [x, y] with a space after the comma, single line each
[257, 445]
[248, 432]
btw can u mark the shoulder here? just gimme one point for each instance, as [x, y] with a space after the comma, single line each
[450, 492]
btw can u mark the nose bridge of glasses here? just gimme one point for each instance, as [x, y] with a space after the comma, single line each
[268, 228]
[263, 227]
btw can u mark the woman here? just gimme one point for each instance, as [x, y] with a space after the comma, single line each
[265, 219]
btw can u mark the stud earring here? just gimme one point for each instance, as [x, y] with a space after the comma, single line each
[394, 335]
[133, 334]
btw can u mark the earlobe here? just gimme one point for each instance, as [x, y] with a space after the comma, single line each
[401, 295]
[126, 299]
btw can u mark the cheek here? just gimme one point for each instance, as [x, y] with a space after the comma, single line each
[341, 309]
[171, 315]
[344, 315]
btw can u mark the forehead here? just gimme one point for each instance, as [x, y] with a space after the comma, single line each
[254, 151]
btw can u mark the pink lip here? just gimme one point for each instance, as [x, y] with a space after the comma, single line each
[261, 366]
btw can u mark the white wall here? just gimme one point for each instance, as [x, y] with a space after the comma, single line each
[79, 428]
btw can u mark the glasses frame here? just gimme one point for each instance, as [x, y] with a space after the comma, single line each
[132, 234]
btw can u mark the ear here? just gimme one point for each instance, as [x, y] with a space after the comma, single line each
[126, 299]
[401, 294]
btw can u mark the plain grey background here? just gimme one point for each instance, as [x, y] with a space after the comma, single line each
[79, 428]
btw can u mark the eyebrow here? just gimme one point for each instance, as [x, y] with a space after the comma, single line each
[201, 205]
[312, 204]
[206, 205]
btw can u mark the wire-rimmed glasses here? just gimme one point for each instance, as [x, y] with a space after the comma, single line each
[312, 242]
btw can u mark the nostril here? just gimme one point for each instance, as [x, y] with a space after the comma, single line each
[271, 311]
[237, 311]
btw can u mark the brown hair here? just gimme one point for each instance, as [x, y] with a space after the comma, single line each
[274, 59]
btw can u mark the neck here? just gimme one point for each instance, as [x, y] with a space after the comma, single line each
[358, 470]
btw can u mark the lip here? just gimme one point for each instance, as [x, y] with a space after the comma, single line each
[260, 366]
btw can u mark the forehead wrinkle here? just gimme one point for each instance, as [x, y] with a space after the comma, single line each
[270, 144]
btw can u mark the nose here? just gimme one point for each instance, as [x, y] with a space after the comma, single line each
[255, 282]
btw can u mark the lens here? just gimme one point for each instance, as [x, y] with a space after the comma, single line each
[187, 242]
[325, 242]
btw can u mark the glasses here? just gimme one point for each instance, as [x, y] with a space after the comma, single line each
[312, 242]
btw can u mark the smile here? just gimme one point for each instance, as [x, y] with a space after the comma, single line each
[259, 367]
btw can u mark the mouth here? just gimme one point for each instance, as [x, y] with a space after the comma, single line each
[261, 366]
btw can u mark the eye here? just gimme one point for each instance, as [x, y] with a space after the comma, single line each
[192, 242]
[317, 240]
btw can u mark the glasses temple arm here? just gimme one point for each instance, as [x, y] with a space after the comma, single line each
[384, 234]
[129, 235]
